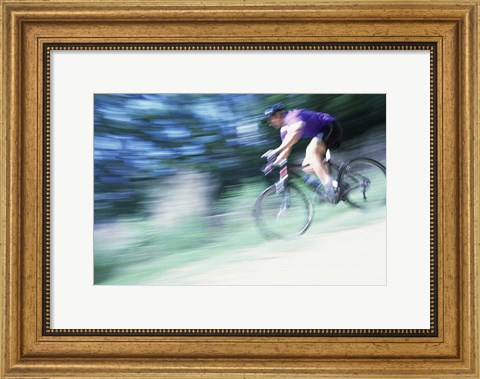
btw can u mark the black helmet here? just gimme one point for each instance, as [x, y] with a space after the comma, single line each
[271, 110]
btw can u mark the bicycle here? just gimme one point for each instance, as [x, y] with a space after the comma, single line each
[283, 210]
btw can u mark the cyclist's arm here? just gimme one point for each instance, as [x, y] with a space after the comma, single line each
[294, 133]
[283, 155]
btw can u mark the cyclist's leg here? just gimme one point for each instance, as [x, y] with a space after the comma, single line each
[315, 156]
[314, 159]
[316, 149]
[307, 169]
[331, 138]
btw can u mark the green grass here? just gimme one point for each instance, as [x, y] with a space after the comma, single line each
[153, 249]
[146, 250]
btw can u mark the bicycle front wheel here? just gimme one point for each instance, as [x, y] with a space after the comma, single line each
[284, 214]
[363, 183]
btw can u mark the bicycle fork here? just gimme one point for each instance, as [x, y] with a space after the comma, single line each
[280, 189]
[281, 184]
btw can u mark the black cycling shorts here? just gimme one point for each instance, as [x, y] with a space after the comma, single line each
[331, 135]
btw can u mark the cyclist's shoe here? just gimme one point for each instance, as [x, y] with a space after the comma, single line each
[329, 194]
[326, 194]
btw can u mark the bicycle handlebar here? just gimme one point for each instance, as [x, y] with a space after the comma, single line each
[269, 156]
[271, 165]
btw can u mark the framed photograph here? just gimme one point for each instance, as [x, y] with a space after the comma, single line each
[249, 189]
[205, 190]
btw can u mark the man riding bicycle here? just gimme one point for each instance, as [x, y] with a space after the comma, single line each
[295, 124]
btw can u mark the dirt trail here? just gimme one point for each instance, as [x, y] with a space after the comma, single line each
[354, 256]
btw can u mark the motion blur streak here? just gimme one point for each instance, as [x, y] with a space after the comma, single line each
[176, 177]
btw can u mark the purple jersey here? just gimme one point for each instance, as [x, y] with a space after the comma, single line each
[314, 122]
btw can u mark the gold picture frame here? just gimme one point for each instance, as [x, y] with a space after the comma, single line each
[30, 29]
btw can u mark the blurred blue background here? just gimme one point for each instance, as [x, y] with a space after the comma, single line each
[176, 175]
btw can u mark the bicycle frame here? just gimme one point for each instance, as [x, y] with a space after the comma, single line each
[296, 170]
[293, 169]
[285, 170]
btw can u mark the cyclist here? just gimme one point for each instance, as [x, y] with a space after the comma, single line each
[295, 124]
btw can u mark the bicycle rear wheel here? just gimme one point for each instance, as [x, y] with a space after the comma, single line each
[283, 215]
[363, 183]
